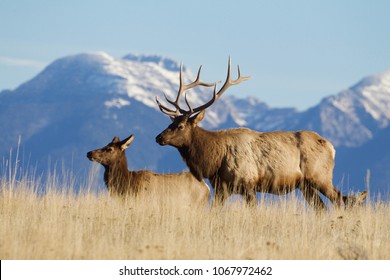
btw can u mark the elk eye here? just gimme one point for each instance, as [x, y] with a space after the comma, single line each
[181, 126]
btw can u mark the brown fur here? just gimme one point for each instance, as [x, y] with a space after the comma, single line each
[244, 161]
[120, 181]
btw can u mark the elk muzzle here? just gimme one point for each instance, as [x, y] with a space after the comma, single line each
[90, 156]
[160, 139]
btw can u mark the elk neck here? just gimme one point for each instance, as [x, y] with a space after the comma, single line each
[203, 154]
[116, 174]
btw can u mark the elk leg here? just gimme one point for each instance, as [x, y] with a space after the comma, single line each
[219, 197]
[220, 192]
[332, 194]
[250, 196]
[313, 198]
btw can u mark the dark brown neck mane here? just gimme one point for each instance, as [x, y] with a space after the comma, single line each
[116, 176]
[201, 155]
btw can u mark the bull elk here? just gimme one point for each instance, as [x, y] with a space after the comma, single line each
[244, 161]
[120, 181]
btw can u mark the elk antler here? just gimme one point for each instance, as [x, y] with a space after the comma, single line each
[182, 88]
[179, 111]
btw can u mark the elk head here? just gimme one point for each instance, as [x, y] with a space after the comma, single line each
[184, 121]
[112, 152]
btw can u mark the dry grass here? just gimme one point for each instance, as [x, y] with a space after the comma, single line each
[91, 225]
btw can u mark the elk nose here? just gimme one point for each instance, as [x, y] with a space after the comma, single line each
[89, 155]
[159, 139]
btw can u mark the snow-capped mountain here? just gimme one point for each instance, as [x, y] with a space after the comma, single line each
[371, 96]
[140, 78]
[354, 116]
[80, 102]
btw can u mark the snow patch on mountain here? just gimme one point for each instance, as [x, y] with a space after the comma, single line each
[167, 63]
[372, 94]
[377, 97]
[117, 103]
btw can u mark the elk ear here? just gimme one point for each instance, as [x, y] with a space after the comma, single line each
[115, 140]
[197, 118]
[126, 142]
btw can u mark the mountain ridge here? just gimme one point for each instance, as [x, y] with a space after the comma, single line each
[79, 102]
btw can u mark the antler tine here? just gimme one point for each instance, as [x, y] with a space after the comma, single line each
[182, 88]
[229, 82]
[208, 104]
[175, 103]
[239, 78]
[166, 110]
[198, 75]
[188, 104]
[180, 92]
[197, 82]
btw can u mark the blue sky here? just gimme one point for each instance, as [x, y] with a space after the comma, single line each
[297, 52]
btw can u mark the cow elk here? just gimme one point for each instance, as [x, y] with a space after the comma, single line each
[245, 161]
[122, 182]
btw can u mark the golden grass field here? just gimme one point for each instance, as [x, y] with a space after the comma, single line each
[92, 225]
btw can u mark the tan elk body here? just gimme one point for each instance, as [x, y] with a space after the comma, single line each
[121, 181]
[245, 161]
